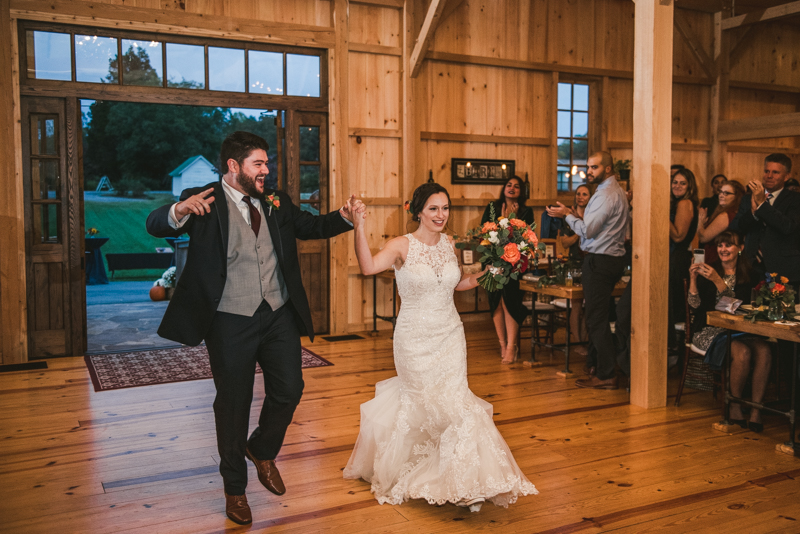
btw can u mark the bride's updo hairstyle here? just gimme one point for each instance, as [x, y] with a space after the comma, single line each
[421, 196]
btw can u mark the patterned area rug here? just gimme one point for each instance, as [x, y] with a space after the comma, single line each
[162, 366]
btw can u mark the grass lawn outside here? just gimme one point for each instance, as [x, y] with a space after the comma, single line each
[122, 220]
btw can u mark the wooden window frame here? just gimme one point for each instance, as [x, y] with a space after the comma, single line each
[164, 94]
[594, 132]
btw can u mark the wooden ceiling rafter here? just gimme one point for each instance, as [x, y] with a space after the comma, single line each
[763, 15]
[432, 18]
[706, 63]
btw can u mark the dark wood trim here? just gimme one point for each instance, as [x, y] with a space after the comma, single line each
[194, 97]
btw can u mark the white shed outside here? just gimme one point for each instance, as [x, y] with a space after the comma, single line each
[194, 172]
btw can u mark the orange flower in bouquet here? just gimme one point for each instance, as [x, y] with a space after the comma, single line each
[508, 247]
[511, 253]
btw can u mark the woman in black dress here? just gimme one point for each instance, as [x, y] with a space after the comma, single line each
[683, 216]
[506, 305]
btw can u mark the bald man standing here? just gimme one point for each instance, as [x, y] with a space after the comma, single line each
[602, 232]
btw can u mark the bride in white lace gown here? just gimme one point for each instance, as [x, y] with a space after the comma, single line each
[425, 435]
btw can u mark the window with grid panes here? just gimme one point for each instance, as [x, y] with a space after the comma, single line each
[573, 132]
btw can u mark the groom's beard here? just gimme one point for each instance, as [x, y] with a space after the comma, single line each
[248, 184]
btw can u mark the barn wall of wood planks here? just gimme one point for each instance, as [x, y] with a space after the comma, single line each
[486, 89]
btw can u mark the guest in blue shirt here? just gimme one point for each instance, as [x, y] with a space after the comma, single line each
[602, 233]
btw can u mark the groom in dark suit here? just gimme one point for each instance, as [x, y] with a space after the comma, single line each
[241, 292]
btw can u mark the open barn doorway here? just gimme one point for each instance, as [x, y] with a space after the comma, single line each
[118, 122]
[137, 157]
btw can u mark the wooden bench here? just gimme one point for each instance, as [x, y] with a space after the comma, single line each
[139, 260]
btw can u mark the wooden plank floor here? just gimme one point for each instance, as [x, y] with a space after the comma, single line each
[145, 460]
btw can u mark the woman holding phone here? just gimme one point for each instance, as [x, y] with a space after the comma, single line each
[729, 276]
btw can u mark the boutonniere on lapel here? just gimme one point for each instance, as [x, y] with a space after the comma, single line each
[272, 202]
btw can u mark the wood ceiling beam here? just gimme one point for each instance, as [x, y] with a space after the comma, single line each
[397, 4]
[425, 35]
[172, 22]
[452, 5]
[694, 45]
[762, 15]
[783, 125]
[739, 46]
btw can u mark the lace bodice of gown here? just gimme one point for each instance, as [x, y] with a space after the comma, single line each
[428, 278]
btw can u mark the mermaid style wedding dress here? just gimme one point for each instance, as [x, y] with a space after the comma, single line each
[425, 435]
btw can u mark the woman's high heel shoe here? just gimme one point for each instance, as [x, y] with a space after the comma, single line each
[516, 355]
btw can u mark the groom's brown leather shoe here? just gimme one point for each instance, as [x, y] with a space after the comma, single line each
[237, 509]
[268, 473]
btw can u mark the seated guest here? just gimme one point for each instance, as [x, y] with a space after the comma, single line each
[570, 241]
[682, 227]
[729, 276]
[506, 305]
[711, 202]
[713, 223]
[769, 220]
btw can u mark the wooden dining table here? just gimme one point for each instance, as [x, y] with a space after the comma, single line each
[785, 332]
[564, 292]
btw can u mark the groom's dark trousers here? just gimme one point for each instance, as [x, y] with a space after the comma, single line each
[236, 342]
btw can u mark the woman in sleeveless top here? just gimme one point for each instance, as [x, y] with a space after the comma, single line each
[425, 435]
[682, 227]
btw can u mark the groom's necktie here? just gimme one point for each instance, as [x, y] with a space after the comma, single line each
[255, 215]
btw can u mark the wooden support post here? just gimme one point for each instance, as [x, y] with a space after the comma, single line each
[340, 180]
[718, 159]
[652, 135]
[13, 299]
[425, 35]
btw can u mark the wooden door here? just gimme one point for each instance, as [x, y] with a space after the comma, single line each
[54, 262]
[306, 154]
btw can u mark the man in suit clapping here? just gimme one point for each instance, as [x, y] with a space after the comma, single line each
[769, 220]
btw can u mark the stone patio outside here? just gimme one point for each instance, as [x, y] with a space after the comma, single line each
[121, 317]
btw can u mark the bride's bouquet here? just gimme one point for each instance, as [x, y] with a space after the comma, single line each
[508, 245]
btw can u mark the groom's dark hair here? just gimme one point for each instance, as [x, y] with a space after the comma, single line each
[238, 146]
[421, 196]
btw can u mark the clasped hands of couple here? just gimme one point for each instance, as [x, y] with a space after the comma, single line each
[200, 204]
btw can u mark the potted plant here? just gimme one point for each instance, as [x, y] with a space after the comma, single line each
[622, 168]
[164, 287]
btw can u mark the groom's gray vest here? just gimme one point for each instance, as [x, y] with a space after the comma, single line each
[253, 271]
